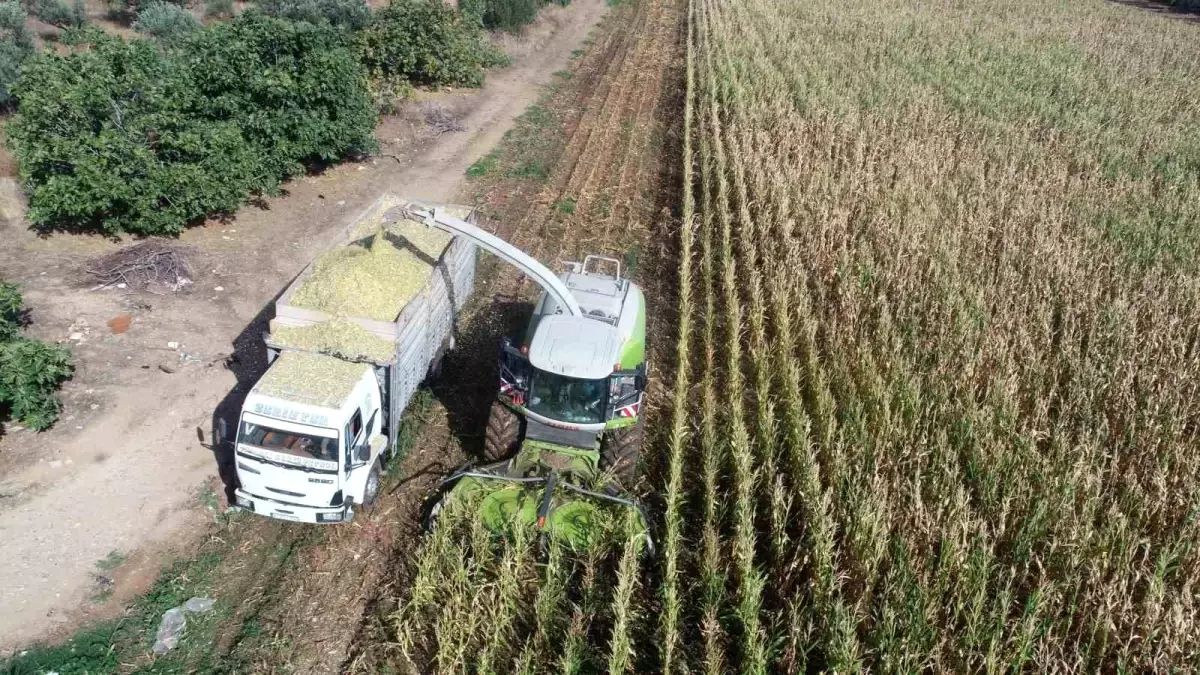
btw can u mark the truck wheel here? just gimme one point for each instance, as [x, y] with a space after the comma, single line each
[371, 491]
[503, 435]
[620, 450]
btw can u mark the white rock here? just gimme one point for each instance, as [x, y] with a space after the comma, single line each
[172, 345]
[75, 336]
[95, 406]
[199, 605]
[219, 288]
[342, 203]
[121, 285]
[56, 464]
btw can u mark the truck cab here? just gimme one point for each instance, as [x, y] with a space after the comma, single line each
[310, 442]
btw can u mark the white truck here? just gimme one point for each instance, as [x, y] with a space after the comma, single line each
[316, 430]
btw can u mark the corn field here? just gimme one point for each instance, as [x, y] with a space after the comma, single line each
[936, 397]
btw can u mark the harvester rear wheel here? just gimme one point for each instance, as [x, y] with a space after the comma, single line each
[620, 450]
[503, 435]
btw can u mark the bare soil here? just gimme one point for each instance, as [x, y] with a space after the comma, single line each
[124, 467]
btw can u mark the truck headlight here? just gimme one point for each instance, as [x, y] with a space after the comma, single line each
[245, 502]
[335, 517]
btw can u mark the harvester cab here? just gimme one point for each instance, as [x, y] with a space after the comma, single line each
[565, 431]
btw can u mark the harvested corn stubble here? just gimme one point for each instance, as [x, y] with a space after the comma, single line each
[375, 278]
[338, 336]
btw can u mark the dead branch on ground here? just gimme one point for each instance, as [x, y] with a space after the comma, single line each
[143, 265]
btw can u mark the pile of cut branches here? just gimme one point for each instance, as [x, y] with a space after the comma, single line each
[144, 265]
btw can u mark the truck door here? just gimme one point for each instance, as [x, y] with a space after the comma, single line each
[355, 436]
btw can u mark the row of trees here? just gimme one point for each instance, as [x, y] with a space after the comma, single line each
[147, 136]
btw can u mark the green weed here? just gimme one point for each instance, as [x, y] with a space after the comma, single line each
[112, 561]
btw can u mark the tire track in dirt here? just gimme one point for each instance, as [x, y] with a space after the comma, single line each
[650, 106]
[600, 110]
[593, 149]
[611, 116]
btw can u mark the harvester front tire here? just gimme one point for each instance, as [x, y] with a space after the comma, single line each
[620, 450]
[503, 434]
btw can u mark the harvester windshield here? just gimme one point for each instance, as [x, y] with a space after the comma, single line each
[567, 399]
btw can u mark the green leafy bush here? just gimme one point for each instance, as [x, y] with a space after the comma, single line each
[126, 137]
[472, 11]
[165, 22]
[425, 42]
[352, 14]
[59, 13]
[10, 311]
[15, 47]
[113, 138]
[30, 371]
[127, 10]
[296, 89]
[510, 15]
[218, 8]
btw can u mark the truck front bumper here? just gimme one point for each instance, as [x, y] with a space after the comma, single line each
[294, 512]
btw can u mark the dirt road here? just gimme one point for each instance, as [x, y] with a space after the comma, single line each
[124, 467]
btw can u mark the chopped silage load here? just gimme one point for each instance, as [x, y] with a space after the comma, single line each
[375, 281]
[336, 336]
[310, 378]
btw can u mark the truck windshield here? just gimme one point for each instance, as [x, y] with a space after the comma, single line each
[567, 399]
[289, 442]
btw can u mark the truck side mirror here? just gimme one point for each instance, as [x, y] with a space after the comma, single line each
[362, 453]
[222, 431]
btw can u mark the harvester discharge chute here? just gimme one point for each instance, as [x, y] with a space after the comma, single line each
[541, 489]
